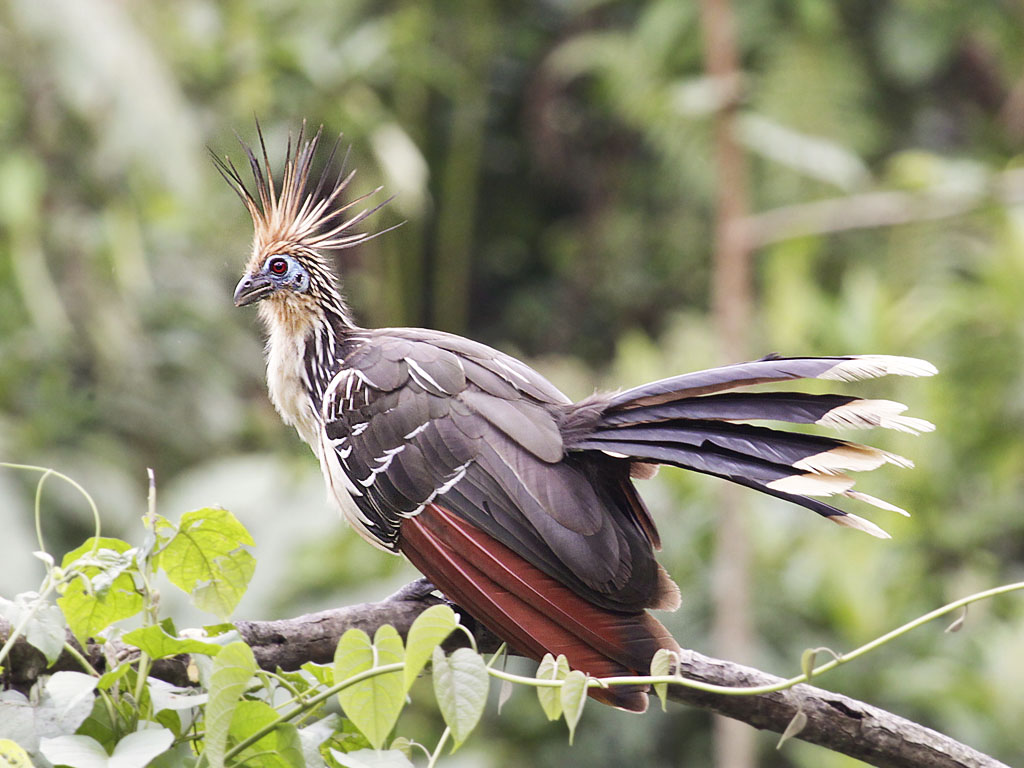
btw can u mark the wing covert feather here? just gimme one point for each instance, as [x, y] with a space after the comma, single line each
[496, 462]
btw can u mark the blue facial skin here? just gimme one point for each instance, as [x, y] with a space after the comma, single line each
[286, 272]
[279, 271]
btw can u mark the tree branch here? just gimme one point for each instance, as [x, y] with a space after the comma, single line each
[870, 210]
[834, 721]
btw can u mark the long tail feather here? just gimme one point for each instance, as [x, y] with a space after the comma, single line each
[693, 421]
[794, 407]
[722, 462]
[814, 453]
[850, 368]
[834, 514]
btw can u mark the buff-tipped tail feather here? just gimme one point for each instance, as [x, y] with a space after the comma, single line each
[697, 421]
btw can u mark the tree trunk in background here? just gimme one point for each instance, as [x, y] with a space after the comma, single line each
[731, 302]
[460, 176]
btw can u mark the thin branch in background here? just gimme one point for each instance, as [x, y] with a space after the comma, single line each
[875, 209]
[460, 177]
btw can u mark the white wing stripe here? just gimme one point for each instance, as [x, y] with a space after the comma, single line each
[421, 375]
[416, 431]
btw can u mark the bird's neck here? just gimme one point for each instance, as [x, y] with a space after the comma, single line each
[302, 359]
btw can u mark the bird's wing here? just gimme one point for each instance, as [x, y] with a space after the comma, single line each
[453, 455]
[410, 422]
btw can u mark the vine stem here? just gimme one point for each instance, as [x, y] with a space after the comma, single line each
[50, 583]
[19, 629]
[783, 685]
[47, 472]
[54, 577]
[440, 745]
[398, 666]
[313, 701]
[39, 515]
[146, 572]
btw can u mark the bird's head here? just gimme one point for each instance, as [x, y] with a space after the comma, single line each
[281, 276]
[296, 224]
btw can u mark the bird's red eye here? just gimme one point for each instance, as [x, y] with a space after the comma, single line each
[278, 266]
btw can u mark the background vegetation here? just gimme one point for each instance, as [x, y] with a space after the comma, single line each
[552, 164]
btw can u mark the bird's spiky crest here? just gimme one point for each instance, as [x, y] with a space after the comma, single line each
[297, 215]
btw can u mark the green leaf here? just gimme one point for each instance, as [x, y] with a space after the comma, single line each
[504, 693]
[958, 623]
[299, 682]
[797, 724]
[179, 756]
[280, 748]
[404, 745]
[217, 630]
[247, 718]
[206, 558]
[171, 720]
[289, 746]
[550, 698]
[111, 595]
[45, 630]
[74, 751]
[460, 685]
[661, 665]
[372, 758]
[322, 673]
[347, 738]
[232, 670]
[427, 632]
[107, 679]
[13, 756]
[100, 725]
[808, 660]
[372, 704]
[67, 702]
[64, 704]
[574, 696]
[165, 696]
[159, 530]
[312, 736]
[158, 644]
[18, 720]
[137, 749]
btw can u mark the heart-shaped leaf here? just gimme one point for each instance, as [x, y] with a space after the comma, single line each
[372, 704]
[460, 685]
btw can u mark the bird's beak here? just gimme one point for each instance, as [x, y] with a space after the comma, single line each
[252, 288]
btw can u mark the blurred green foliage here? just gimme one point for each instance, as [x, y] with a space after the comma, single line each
[551, 162]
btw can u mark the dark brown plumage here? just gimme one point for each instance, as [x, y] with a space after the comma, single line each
[516, 502]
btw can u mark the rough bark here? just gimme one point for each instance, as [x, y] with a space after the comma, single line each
[834, 721]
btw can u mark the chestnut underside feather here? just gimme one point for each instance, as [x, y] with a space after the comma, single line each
[535, 613]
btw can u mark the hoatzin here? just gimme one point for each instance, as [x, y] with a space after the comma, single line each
[515, 502]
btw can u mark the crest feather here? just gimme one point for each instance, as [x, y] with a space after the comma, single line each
[294, 213]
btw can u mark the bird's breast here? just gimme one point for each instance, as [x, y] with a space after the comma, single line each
[289, 389]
